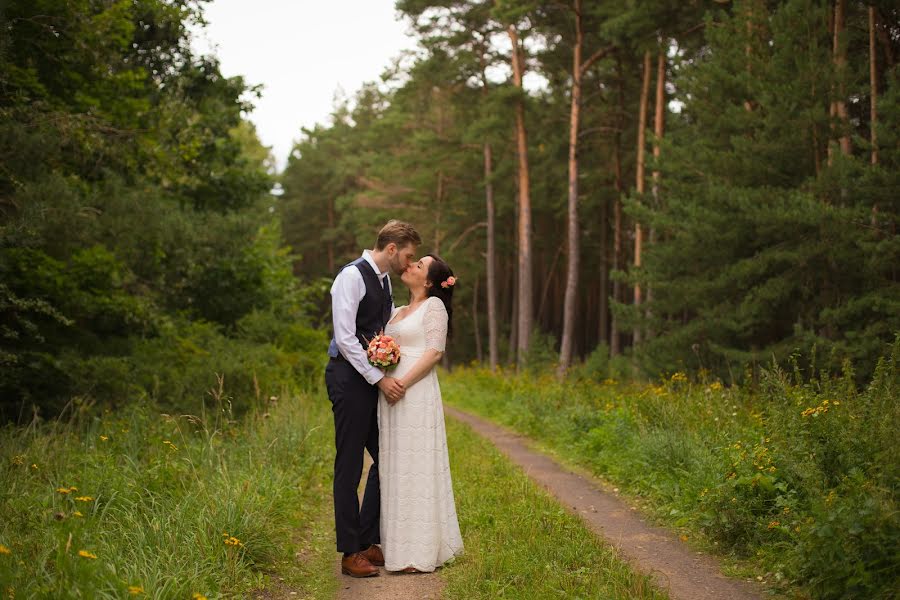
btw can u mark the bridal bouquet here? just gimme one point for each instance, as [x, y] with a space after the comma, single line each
[383, 352]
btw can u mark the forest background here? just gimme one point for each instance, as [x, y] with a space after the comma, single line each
[696, 186]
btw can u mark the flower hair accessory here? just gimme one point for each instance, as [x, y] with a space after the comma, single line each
[449, 282]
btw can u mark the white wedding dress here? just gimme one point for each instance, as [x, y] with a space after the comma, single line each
[419, 527]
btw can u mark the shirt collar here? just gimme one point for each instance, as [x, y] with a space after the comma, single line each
[367, 255]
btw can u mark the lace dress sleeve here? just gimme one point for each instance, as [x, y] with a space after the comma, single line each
[435, 321]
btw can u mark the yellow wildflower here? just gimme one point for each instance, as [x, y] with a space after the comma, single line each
[679, 376]
[198, 596]
[4, 550]
[170, 445]
[774, 524]
[77, 513]
[84, 499]
[86, 554]
[18, 459]
[134, 590]
[34, 466]
[63, 490]
[715, 386]
[103, 438]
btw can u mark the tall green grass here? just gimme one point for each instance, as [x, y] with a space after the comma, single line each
[800, 475]
[519, 542]
[167, 506]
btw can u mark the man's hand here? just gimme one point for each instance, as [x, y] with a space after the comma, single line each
[392, 388]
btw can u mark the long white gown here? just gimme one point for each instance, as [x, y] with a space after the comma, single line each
[419, 527]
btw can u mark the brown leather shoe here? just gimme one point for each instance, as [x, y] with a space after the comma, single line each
[374, 555]
[357, 565]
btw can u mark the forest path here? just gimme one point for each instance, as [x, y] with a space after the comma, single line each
[386, 586]
[684, 573]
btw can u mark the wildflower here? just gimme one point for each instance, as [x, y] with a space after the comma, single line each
[34, 466]
[170, 445]
[77, 513]
[18, 459]
[86, 554]
[104, 438]
[684, 538]
[232, 541]
[134, 590]
[773, 524]
[198, 596]
[84, 499]
[716, 386]
[679, 376]
[4, 550]
[63, 490]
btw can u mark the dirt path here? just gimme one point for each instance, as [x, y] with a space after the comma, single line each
[387, 586]
[685, 574]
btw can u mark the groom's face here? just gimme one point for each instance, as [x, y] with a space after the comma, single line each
[402, 258]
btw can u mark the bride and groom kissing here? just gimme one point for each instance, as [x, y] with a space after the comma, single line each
[407, 522]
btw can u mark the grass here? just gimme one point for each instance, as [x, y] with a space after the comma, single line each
[797, 480]
[519, 542]
[106, 506]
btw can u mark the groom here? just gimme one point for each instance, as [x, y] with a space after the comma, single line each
[361, 305]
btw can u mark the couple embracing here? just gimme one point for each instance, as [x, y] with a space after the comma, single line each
[407, 521]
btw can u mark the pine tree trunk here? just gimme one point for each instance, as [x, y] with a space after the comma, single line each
[513, 319]
[565, 349]
[490, 258]
[524, 266]
[658, 125]
[639, 183]
[873, 80]
[839, 106]
[603, 308]
[475, 328]
[615, 347]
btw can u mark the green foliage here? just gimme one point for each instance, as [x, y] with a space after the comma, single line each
[135, 221]
[763, 248]
[799, 476]
[151, 497]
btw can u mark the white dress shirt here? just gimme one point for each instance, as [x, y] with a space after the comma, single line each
[347, 291]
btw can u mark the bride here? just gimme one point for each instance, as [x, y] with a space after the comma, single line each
[419, 528]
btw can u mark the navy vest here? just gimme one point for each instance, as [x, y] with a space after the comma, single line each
[374, 309]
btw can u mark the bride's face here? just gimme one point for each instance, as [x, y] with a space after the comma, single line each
[416, 275]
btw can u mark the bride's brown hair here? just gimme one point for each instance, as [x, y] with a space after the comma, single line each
[438, 272]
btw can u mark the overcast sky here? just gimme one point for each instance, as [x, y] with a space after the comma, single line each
[302, 52]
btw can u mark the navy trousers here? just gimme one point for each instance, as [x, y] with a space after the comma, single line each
[354, 403]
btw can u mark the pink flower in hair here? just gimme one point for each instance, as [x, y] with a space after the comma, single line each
[449, 283]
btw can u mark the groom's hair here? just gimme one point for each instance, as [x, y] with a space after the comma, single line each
[399, 233]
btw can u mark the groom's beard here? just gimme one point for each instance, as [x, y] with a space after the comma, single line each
[395, 266]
